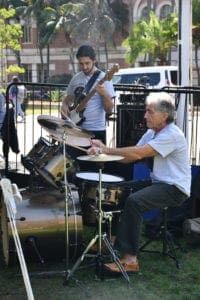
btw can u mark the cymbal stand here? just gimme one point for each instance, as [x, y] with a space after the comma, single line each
[99, 237]
[66, 190]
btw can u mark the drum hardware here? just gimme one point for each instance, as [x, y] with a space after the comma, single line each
[31, 241]
[107, 217]
[59, 127]
[100, 236]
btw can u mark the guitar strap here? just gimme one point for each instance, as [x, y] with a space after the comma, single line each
[91, 81]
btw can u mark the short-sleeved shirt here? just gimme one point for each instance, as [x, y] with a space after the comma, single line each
[171, 165]
[94, 112]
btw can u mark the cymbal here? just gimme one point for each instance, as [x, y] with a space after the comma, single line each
[71, 140]
[57, 126]
[100, 157]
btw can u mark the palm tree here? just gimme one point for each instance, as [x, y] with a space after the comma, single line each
[62, 18]
[35, 9]
[89, 22]
[96, 24]
[155, 37]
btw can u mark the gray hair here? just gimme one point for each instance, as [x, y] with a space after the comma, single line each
[162, 102]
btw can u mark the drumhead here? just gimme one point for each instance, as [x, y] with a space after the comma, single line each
[94, 176]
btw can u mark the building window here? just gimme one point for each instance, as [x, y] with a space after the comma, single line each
[27, 76]
[26, 38]
[165, 10]
[145, 12]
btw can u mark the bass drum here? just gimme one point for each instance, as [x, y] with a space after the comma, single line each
[40, 222]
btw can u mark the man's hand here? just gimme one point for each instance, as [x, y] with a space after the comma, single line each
[96, 147]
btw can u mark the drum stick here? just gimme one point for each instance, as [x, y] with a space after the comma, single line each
[69, 144]
[77, 147]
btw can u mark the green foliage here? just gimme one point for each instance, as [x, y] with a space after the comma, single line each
[153, 36]
[15, 69]
[9, 33]
[57, 95]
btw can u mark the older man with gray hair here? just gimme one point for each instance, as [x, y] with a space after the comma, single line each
[165, 145]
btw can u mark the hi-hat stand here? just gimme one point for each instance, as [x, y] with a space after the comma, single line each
[98, 238]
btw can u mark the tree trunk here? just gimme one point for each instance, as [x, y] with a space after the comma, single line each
[48, 62]
[42, 64]
[196, 63]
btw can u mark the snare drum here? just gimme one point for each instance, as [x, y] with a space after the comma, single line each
[89, 192]
[40, 222]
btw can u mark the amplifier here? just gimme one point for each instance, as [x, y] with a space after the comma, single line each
[131, 124]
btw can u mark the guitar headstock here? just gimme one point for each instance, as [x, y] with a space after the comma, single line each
[111, 72]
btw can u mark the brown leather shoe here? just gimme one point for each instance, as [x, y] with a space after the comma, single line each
[129, 268]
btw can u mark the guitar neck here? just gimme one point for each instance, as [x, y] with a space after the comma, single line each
[108, 76]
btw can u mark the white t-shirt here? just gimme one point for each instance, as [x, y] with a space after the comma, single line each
[94, 112]
[171, 165]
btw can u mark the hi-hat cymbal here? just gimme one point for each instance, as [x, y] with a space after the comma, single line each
[100, 157]
[56, 126]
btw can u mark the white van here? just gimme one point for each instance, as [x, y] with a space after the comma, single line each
[152, 77]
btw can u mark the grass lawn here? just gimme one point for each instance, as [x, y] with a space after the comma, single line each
[158, 279]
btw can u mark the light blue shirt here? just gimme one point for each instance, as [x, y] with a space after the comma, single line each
[94, 113]
[171, 165]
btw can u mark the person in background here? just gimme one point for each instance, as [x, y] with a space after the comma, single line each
[2, 108]
[165, 146]
[92, 113]
[101, 103]
[16, 96]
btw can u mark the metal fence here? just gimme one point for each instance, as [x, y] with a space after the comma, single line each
[124, 126]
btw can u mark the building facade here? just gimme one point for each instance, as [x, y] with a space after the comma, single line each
[59, 64]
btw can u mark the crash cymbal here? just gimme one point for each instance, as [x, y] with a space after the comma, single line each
[57, 127]
[100, 157]
[52, 122]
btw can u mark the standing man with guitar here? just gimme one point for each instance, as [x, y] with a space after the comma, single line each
[89, 95]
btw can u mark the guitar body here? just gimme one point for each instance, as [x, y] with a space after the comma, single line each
[76, 114]
[78, 97]
[77, 117]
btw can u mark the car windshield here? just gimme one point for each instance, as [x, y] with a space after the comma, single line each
[140, 78]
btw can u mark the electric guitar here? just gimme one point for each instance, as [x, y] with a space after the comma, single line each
[76, 114]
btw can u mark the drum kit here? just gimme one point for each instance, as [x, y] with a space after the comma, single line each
[52, 163]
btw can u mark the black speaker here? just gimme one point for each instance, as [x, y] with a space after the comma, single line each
[131, 124]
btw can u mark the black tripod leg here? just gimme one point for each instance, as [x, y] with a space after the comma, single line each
[169, 248]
